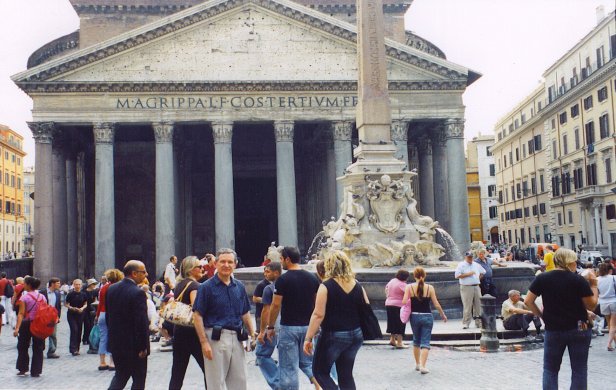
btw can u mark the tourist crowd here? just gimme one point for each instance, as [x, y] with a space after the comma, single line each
[315, 322]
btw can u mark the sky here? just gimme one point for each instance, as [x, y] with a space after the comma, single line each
[510, 42]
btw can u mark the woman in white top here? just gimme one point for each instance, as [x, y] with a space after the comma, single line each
[607, 299]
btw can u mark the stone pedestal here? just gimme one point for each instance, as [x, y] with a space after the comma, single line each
[223, 176]
[165, 195]
[104, 199]
[285, 182]
[43, 201]
[456, 174]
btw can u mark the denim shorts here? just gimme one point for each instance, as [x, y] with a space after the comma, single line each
[421, 324]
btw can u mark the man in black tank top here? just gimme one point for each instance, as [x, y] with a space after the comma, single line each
[294, 297]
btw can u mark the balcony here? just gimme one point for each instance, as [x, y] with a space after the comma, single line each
[587, 192]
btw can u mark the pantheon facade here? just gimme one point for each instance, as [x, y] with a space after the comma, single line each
[180, 127]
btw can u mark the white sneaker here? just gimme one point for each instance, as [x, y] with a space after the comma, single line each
[417, 367]
[424, 370]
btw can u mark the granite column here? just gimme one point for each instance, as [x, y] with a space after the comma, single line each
[456, 174]
[43, 200]
[598, 235]
[165, 195]
[441, 186]
[71, 217]
[426, 177]
[60, 225]
[285, 184]
[343, 153]
[223, 192]
[104, 198]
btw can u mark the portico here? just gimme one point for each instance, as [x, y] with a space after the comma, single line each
[182, 155]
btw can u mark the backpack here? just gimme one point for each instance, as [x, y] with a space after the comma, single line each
[9, 290]
[44, 321]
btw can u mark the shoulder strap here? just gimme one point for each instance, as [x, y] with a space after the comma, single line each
[179, 298]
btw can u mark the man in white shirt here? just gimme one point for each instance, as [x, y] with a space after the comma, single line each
[170, 274]
[469, 275]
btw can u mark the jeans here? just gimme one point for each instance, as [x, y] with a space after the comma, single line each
[267, 365]
[291, 356]
[522, 321]
[104, 333]
[578, 343]
[340, 348]
[53, 341]
[422, 324]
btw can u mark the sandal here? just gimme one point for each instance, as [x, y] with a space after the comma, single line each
[103, 368]
[610, 349]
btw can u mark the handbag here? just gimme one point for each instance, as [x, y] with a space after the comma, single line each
[179, 313]
[370, 328]
[95, 337]
[405, 312]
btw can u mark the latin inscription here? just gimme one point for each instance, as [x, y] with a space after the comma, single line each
[233, 102]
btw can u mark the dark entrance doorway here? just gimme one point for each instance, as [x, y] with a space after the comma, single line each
[254, 187]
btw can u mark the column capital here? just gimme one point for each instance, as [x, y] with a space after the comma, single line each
[439, 136]
[454, 128]
[222, 132]
[163, 132]
[400, 130]
[343, 130]
[284, 131]
[103, 132]
[424, 145]
[42, 132]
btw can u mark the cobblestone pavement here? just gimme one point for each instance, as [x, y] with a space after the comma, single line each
[377, 367]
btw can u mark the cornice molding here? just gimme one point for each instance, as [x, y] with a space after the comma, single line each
[208, 10]
[230, 86]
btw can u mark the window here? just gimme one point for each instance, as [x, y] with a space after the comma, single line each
[531, 146]
[492, 170]
[554, 150]
[19, 183]
[604, 126]
[526, 212]
[522, 238]
[537, 140]
[516, 124]
[556, 184]
[576, 135]
[491, 190]
[566, 183]
[505, 161]
[500, 197]
[590, 132]
[553, 123]
[13, 181]
[493, 212]
[6, 155]
[12, 158]
[518, 213]
[588, 102]
[565, 147]
[7, 205]
[608, 170]
[524, 118]
[6, 178]
[517, 154]
[511, 128]
[600, 57]
[518, 188]
[523, 150]
[570, 214]
[541, 183]
[534, 209]
[488, 151]
[591, 174]
[602, 94]
[511, 158]
[575, 110]
[610, 211]
[525, 188]
[562, 118]
[578, 178]
[560, 219]
[512, 193]
[533, 185]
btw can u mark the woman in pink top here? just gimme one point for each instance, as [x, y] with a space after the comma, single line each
[394, 291]
[28, 305]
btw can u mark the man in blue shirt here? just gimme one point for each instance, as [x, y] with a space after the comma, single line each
[220, 308]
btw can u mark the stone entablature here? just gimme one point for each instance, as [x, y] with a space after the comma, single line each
[54, 48]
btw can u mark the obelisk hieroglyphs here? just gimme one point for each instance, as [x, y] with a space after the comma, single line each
[373, 110]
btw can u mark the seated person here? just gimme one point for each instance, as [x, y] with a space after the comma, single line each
[516, 315]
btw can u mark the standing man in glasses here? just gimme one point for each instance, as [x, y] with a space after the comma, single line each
[127, 321]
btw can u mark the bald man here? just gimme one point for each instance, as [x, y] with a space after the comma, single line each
[127, 320]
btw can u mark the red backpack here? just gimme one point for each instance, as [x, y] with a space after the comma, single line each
[44, 321]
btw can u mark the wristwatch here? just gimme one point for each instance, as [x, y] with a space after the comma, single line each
[270, 327]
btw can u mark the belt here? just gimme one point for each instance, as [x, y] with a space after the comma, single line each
[469, 285]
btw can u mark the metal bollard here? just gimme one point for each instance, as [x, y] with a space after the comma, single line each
[489, 341]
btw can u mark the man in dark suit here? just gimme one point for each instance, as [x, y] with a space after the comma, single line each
[52, 293]
[127, 320]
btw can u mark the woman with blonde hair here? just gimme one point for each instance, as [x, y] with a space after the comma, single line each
[566, 297]
[185, 339]
[336, 311]
[421, 294]
[113, 275]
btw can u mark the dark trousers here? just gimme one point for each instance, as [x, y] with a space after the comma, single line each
[88, 323]
[338, 348]
[128, 366]
[522, 321]
[75, 324]
[23, 344]
[487, 287]
[185, 343]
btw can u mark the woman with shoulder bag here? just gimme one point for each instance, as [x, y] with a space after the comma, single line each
[336, 311]
[113, 276]
[421, 294]
[27, 308]
[185, 340]
[606, 282]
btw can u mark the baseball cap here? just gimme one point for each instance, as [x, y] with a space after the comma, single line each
[91, 281]
[468, 254]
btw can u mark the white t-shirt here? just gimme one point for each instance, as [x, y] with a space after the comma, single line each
[605, 285]
[170, 275]
[464, 267]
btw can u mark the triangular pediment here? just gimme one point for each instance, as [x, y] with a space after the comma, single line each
[237, 41]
